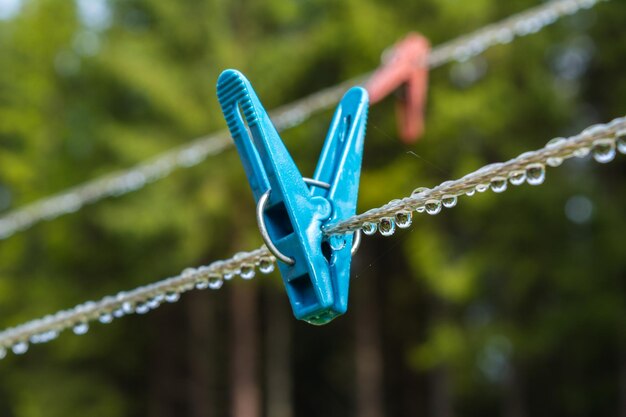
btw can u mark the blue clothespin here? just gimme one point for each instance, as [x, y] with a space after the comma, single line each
[291, 210]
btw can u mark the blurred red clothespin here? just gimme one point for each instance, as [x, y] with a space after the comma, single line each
[406, 66]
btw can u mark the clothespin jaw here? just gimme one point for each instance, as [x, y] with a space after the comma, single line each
[292, 210]
[405, 67]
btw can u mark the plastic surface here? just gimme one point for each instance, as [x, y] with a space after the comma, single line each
[318, 282]
[406, 65]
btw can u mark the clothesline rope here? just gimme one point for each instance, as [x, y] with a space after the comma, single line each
[128, 180]
[603, 141]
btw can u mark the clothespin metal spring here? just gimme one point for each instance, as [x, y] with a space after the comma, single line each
[260, 219]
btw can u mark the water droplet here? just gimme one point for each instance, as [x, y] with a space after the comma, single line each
[555, 142]
[449, 201]
[117, 313]
[266, 265]
[20, 348]
[172, 296]
[51, 335]
[481, 188]
[404, 219]
[215, 281]
[81, 328]
[105, 318]
[369, 228]
[581, 152]
[433, 207]
[247, 271]
[517, 177]
[387, 226]
[419, 190]
[202, 284]
[337, 242]
[621, 141]
[154, 302]
[228, 274]
[604, 150]
[498, 185]
[188, 272]
[535, 174]
[554, 161]
[142, 308]
[128, 307]
[594, 130]
[470, 193]
[3, 353]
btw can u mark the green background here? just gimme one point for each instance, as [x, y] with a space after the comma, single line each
[508, 305]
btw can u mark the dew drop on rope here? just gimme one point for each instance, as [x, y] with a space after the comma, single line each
[418, 191]
[369, 228]
[3, 353]
[202, 284]
[498, 185]
[621, 141]
[433, 207]
[81, 328]
[604, 150]
[266, 265]
[188, 272]
[553, 143]
[20, 348]
[172, 296]
[154, 302]
[404, 219]
[581, 152]
[105, 318]
[387, 226]
[128, 307]
[554, 161]
[481, 188]
[142, 308]
[517, 177]
[215, 281]
[449, 201]
[337, 242]
[51, 335]
[470, 193]
[247, 271]
[535, 174]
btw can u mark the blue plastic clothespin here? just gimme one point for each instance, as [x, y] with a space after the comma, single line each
[291, 210]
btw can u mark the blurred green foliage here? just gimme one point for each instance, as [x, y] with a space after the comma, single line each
[516, 300]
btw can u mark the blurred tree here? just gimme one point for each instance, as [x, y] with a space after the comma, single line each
[509, 304]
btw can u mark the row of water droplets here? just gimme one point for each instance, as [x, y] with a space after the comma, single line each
[139, 301]
[504, 32]
[601, 141]
[126, 181]
[112, 185]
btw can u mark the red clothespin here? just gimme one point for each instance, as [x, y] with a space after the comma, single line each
[406, 65]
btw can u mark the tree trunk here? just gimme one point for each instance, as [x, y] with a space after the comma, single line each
[622, 384]
[200, 315]
[513, 400]
[278, 355]
[245, 391]
[369, 358]
[441, 393]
